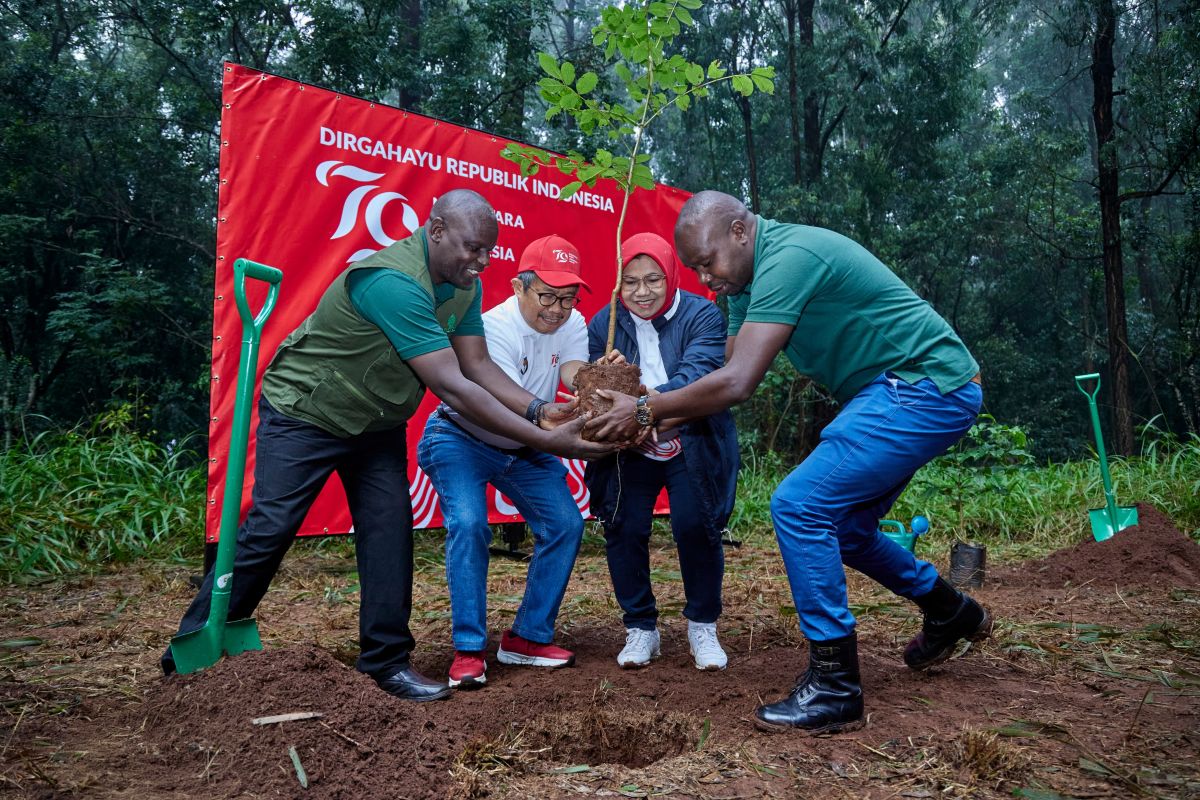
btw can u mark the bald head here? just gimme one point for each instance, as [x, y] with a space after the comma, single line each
[714, 236]
[461, 206]
[461, 232]
[710, 208]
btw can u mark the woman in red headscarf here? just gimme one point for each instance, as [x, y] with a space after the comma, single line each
[675, 337]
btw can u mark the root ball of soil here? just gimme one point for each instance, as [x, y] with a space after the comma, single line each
[624, 378]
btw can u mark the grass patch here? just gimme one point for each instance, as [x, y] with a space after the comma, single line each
[77, 500]
[87, 498]
[987, 491]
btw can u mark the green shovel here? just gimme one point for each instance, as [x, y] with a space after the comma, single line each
[1112, 518]
[199, 649]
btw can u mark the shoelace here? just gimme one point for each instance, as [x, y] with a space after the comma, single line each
[706, 641]
[641, 640]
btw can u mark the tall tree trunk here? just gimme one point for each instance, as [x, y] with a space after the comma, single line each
[751, 153]
[789, 10]
[517, 54]
[1108, 181]
[814, 146]
[410, 90]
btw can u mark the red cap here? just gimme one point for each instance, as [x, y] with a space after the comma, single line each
[554, 260]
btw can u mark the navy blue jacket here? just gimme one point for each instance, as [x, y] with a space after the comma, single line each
[692, 344]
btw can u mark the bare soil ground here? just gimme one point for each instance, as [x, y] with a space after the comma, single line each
[1089, 688]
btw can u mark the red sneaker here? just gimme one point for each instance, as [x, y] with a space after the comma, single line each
[468, 671]
[515, 650]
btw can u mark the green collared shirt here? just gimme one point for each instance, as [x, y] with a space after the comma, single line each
[853, 318]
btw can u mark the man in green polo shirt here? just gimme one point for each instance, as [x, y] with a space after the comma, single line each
[909, 390]
[336, 398]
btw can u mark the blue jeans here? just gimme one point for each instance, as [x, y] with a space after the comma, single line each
[460, 467]
[627, 542]
[826, 512]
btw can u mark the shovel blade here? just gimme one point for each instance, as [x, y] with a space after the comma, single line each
[200, 649]
[1102, 527]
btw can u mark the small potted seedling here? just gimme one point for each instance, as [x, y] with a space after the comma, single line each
[634, 38]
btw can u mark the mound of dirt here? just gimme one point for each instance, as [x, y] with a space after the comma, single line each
[1153, 553]
[365, 744]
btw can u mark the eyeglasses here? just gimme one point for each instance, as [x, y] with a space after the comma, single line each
[547, 299]
[651, 282]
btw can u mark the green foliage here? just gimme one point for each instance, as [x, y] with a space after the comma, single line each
[634, 39]
[92, 497]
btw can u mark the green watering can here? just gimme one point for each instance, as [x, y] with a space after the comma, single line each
[199, 649]
[894, 530]
[1112, 518]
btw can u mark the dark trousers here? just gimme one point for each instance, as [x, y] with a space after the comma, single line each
[293, 461]
[627, 542]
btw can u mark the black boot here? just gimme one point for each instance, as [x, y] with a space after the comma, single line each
[828, 697]
[950, 616]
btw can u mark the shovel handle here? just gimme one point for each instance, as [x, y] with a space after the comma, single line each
[245, 268]
[1094, 376]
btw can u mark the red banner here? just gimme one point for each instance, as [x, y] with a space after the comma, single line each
[311, 180]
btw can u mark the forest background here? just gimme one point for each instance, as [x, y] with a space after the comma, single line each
[1030, 168]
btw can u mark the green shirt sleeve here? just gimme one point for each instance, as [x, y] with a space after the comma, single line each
[736, 305]
[401, 308]
[472, 322]
[785, 281]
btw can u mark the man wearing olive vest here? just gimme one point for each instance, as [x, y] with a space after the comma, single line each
[337, 397]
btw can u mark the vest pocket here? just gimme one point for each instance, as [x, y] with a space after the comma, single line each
[390, 379]
[339, 401]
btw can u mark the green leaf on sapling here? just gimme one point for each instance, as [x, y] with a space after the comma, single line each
[587, 82]
[549, 65]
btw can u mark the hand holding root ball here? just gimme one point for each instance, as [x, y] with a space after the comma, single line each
[554, 414]
[618, 425]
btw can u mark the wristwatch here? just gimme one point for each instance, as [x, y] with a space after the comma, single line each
[644, 414]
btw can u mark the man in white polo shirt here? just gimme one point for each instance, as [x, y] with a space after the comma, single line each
[537, 338]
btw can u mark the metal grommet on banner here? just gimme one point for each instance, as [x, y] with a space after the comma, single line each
[220, 258]
[212, 502]
[218, 338]
[214, 419]
[220, 297]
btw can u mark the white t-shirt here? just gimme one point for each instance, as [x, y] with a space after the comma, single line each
[530, 358]
[654, 373]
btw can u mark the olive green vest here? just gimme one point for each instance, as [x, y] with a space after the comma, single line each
[339, 371]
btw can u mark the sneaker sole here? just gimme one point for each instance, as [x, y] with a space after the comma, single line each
[709, 667]
[982, 632]
[516, 659]
[638, 664]
[468, 684]
[837, 727]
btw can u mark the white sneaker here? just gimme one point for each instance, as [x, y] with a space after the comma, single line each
[702, 636]
[641, 646]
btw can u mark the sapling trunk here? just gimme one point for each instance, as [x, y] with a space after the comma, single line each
[628, 190]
